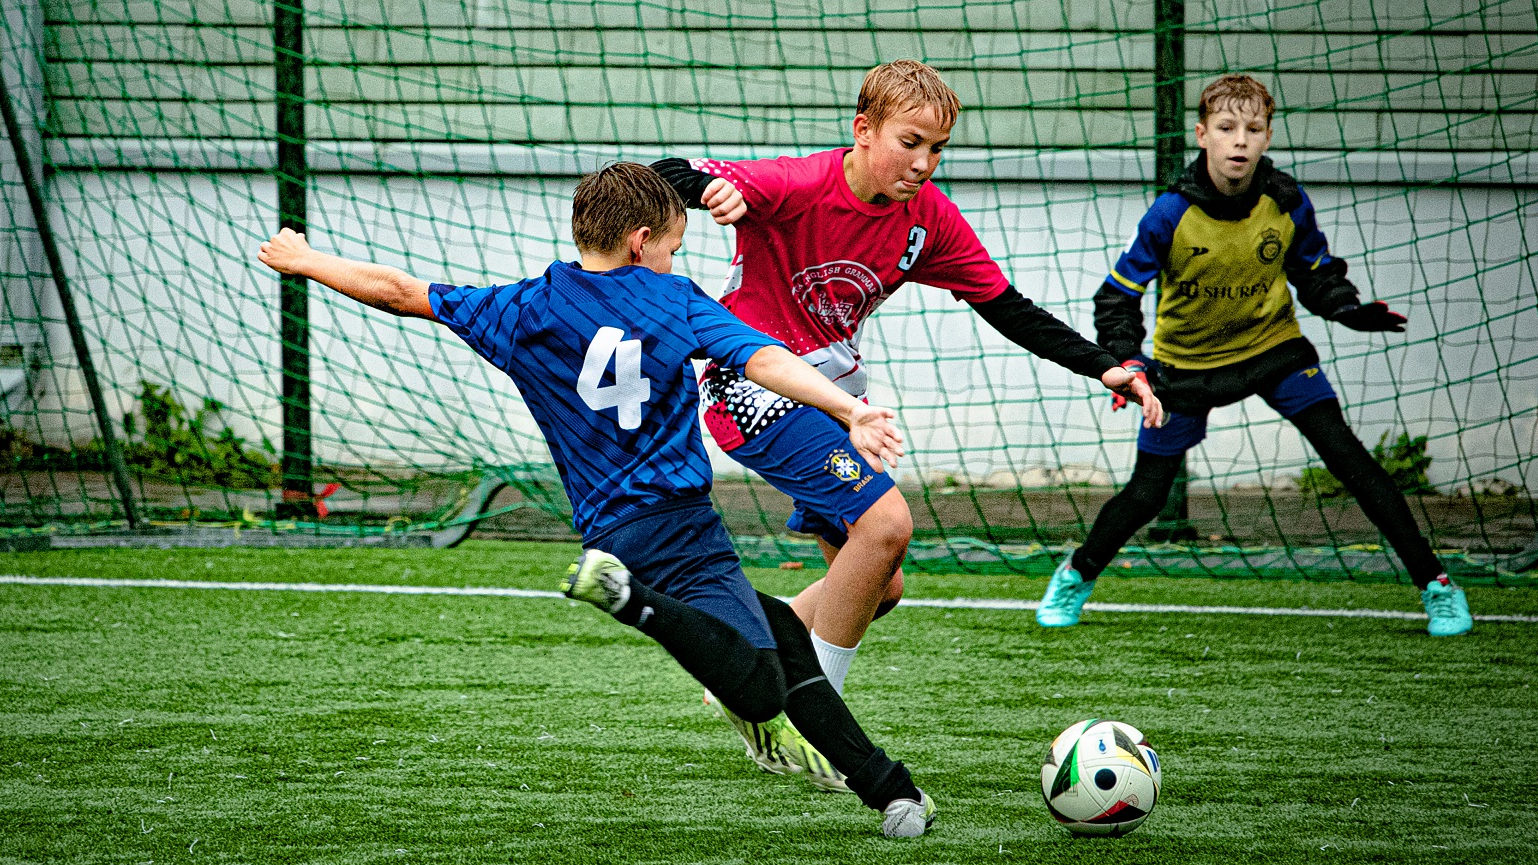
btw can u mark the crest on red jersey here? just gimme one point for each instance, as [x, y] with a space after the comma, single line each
[841, 293]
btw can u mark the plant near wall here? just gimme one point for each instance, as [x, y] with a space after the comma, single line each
[1405, 460]
[179, 444]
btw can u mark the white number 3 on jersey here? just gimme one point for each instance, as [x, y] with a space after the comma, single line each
[629, 390]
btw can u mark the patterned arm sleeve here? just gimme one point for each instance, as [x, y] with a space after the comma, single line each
[1320, 277]
[1119, 325]
[467, 311]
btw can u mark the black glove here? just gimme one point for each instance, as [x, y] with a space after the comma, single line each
[1370, 317]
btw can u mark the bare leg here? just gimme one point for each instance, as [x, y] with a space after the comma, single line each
[805, 603]
[861, 576]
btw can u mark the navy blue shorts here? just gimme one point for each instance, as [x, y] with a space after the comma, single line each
[809, 457]
[1184, 430]
[681, 549]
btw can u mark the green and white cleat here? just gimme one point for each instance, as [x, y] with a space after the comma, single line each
[598, 578]
[1447, 609]
[761, 740]
[1065, 597]
[817, 768]
[905, 818]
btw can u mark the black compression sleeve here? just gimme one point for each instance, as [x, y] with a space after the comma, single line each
[1119, 321]
[689, 182]
[1042, 334]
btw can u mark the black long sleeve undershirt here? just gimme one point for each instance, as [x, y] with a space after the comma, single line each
[1119, 321]
[1042, 334]
[689, 182]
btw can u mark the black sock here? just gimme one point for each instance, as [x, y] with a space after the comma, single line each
[1325, 427]
[820, 714]
[1127, 511]
[709, 649]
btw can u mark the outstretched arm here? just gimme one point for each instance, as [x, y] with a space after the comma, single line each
[376, 285]
[1042, 334]
[870, 428]
[1321, 279]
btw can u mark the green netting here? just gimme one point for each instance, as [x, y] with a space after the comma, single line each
[445, 137]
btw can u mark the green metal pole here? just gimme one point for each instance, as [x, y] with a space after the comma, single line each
[1169, 159]
[293, 299]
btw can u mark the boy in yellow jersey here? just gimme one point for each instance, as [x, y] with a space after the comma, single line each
[1226, 239]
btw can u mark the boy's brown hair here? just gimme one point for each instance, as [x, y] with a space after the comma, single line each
[902, 85]
[1234, 91]
[616, 200]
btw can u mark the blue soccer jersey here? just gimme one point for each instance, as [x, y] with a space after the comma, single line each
[602, 360]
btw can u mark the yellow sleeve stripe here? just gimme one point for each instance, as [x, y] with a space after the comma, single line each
[1131, 286]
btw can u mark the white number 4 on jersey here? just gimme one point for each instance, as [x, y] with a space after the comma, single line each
[629, 390]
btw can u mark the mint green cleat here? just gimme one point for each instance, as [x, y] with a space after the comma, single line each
[905, 818]
[1065, 597]
[1447, 609]
[598, 578]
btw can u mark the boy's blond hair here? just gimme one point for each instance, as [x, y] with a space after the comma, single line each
[617, 199]
[903, 85]
[1235, 91]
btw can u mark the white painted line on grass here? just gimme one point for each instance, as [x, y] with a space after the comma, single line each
[1094, 607]
[277, 587]
[942, 603]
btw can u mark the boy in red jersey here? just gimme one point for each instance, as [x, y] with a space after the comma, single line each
[822, 241]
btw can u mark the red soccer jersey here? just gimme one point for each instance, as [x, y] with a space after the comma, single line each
[813, 261]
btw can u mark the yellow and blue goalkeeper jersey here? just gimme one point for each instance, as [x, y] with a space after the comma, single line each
[603, 362]
[1223, 264]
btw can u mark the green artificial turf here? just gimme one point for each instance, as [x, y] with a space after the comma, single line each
[176, 725]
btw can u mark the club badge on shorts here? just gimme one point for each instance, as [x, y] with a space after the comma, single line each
[843, 466]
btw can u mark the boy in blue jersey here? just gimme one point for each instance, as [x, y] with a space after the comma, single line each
[601, 352]
[1228, 237]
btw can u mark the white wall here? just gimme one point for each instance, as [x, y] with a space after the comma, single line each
[164, 270]
[23, 277]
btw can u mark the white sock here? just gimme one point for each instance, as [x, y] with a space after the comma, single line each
[834, 660]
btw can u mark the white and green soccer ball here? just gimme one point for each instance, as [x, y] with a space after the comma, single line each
[1100, 778]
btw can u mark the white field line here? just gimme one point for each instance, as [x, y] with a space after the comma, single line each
[944, 603]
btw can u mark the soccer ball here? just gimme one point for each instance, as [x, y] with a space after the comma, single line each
[1100, 778]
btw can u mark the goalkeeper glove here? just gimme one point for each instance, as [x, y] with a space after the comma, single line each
[1138, 367]
[1370, 317]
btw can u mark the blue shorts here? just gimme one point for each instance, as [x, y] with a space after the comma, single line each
[681, 549]
[809, 457]
[1184, 430]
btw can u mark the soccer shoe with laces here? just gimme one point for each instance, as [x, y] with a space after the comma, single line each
[905, 818]
[1447, 609]
[1065, 597]
[817, 768]
[779, 748]
[598, 578]
[760, 740]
